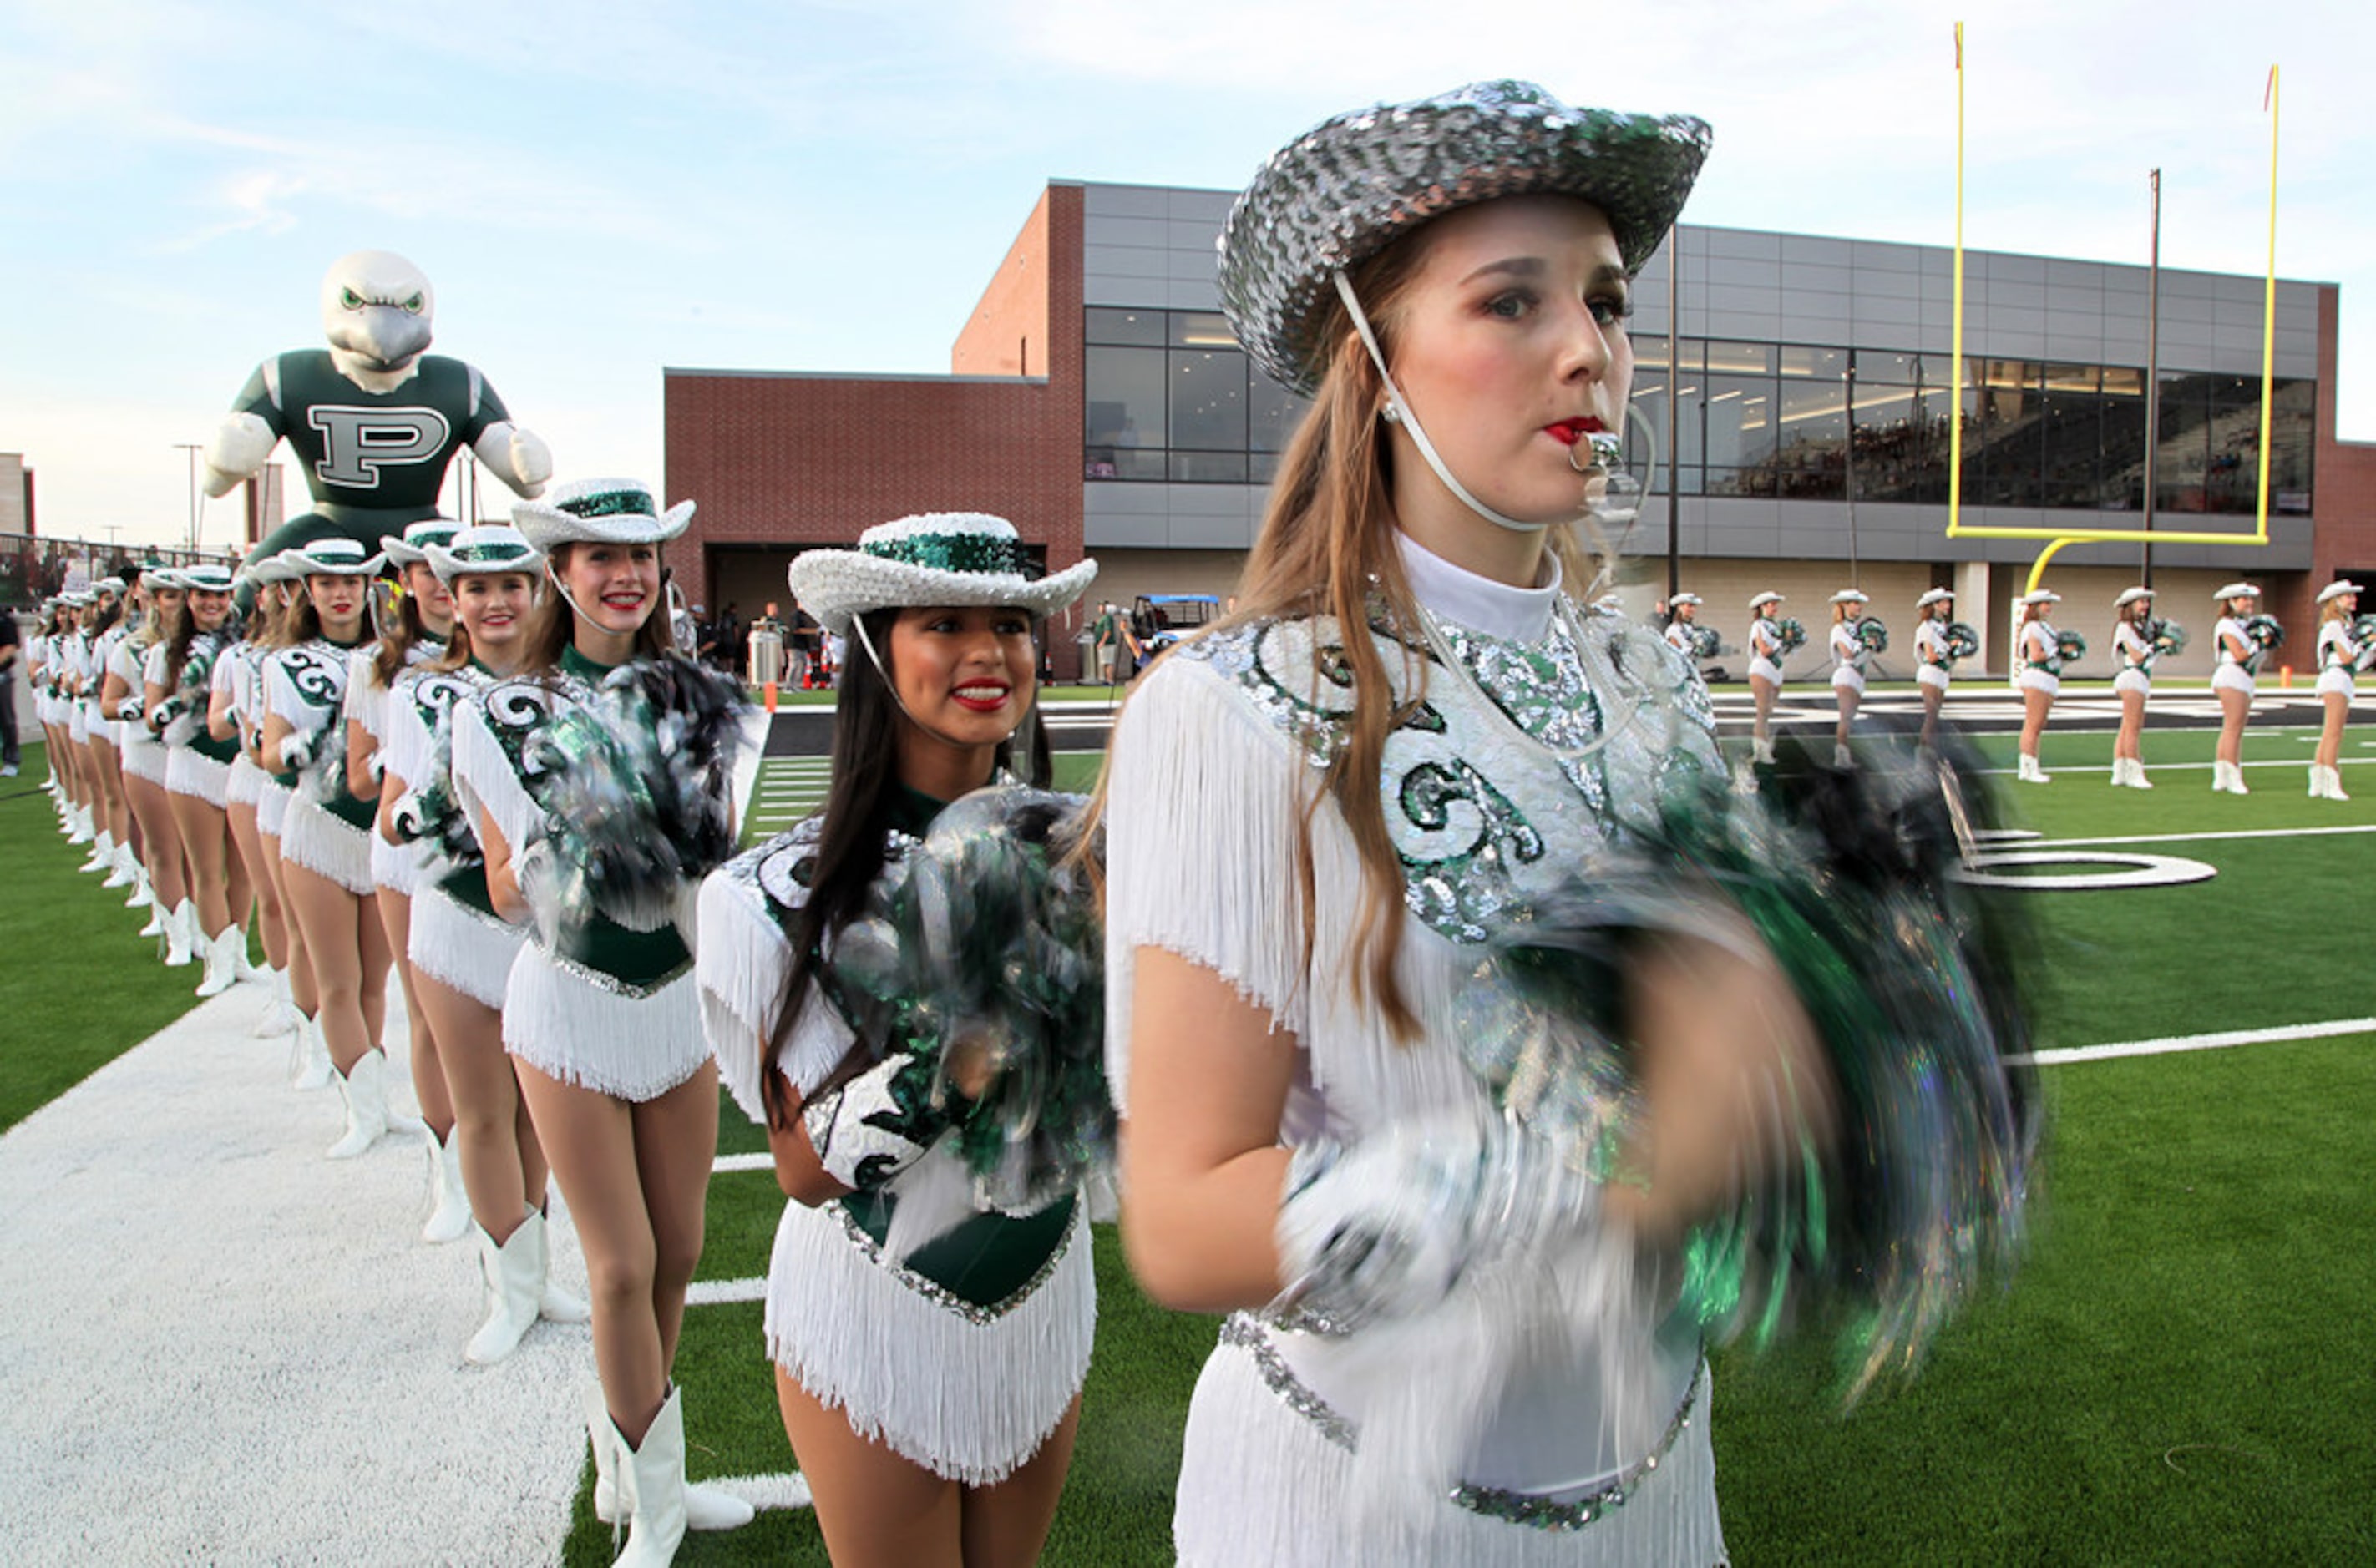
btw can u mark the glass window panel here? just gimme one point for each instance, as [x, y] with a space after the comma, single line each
[1208, 467]
[1262, 467]
[1124, 462]
[1741, 359]
[1106, 324]
[1879, 364]
[1740, 421]
[2124, 381]
[1887, 455]
[2182, 445]
[2071, 440]
[1828, 363]
[2293, 437]
[1741, 481]
[1124, 398]
[2073, 377]
[1272, 413]
[1208, 400]
[1201, 329]
[1810, 448]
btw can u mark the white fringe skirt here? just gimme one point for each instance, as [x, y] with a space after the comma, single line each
[189, 773]
[581, 1026]
[272, 807]
[247, 782]
[395, 867]
[1260, 1482]
[312, 838]
[968, 1395]
[143, 758]
[462, 949]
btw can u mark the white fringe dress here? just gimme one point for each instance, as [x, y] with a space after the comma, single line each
[589, 1001]
[141, 754]
[326, 829]
[964, 1357]
[456, 938]
[1505, 1426]
[197, 764]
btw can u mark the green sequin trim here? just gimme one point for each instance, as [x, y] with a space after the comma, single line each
[957, 553]
[629, 503]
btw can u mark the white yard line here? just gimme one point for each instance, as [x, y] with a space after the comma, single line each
[760, 1162]
[717, 1292]
[2200, 1043]
[789, 1490]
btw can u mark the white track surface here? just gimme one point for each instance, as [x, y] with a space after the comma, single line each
[222, 1348]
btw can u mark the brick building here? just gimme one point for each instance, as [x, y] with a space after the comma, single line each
[1097, 398]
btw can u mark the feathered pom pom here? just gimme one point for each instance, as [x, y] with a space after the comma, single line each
[1793, 634]
[637, 789]
[2070, 647]
[2266, 631]
[1913, 984]
[2168, 638]
[1872, 634]
[1706, 642]
[430, 815]
[985, 950]
[1963, 642]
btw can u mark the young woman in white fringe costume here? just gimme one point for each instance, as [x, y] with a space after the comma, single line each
[140, 755]
[2340, 653]
[931, 1402]
[2133, 655]
[2237, 660]
[285, 618]
[461, 951]
[325, 837]
[2038, 651]
[413, 631]
[1308, 833]
[1934, 663]
[1850, 657]
[234, 713]
[101, 609]
[111, 851]
[197, 771]
[600, 1015]
[1764, 672]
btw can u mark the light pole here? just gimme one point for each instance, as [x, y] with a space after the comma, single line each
[193, 448]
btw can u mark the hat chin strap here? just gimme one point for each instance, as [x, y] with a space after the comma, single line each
[1399, 411]
[866, 641]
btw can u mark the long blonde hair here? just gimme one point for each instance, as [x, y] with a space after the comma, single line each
[1327, 548]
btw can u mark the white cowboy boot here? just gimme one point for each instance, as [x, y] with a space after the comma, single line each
[510, 1272]
[119, 866]
[2137, 779]
[449, 1206]
[311, 1053]
[181, 935]
[102, 851]
[79, 828]
[1762, 752]
[706, 1507]
[143, 896]
[364, 1088]
[220, 970]
[1842, 757]
[2029, 772]
[2332, 784]
[553, 1303]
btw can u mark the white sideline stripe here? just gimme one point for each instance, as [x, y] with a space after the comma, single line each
[760, 1162]
[2198, 837]
[2198, 1042]
[718, 1292]
[767, 1493]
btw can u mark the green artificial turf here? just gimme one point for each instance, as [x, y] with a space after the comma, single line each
[80, 988]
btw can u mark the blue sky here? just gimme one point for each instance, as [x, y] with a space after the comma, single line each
[598, 189]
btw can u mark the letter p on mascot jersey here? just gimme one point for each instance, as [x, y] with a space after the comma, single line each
[373, 419]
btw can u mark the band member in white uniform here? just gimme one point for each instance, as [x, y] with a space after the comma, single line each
[1764, 670]
[2133, 655]
[2238, 660]
[1851, 658]
[2040, 678]
[2341, 654]
[1932, 661]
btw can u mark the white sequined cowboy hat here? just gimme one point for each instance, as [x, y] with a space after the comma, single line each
[600, 511]
[489, 547]
[1936, 596]
[1683, 599]
[1764, 599]
[932, 559]
[405, 548]
[2038, 596]
[207, 577]
[2237, 590]
[1851, 595]
[1352, 186]
[2129, 596]
[2337, 590]
[331, 557]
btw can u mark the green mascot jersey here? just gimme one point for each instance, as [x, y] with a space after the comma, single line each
[374, 461]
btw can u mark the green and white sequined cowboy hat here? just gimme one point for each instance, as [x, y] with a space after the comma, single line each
[600, 511]
[332, 557]
[489, 547]
[934, 558]
[1352, 186]
[406, 550]
[207, 577]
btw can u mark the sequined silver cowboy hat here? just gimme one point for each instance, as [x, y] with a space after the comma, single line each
[1352, 186]
[933, 558]
[489, 547]
[332, 557]
[602, 511]
[406, 549]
